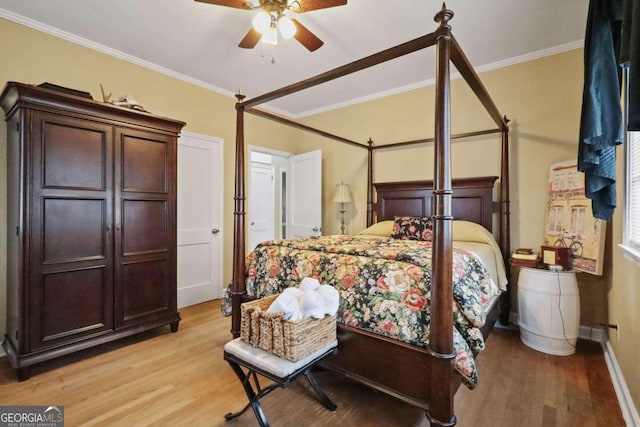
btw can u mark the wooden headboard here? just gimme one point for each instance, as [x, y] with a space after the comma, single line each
[472, 199]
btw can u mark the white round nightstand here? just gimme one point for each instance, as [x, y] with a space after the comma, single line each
[548, 310]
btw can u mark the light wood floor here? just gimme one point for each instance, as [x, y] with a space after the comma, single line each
[180, 379]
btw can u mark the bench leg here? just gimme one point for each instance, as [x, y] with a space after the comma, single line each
[254, 397]
[324, 399]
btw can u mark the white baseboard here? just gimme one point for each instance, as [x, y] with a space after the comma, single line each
[592, 334]
[628, 408]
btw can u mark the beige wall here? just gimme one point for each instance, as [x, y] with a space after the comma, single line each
[541, 98]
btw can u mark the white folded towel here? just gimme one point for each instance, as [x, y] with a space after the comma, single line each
[309, 284]
[289, 303]
[330, 299]
[312, 305]
[311, 300]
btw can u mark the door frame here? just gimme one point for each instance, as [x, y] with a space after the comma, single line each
[314, 227]
[218, 243]
[268, 169]
[278, 153]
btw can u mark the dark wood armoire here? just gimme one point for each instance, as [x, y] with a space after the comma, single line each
[91, 223]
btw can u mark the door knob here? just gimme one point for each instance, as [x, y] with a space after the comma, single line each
[253, 223]
[315, 229]
[215, 231]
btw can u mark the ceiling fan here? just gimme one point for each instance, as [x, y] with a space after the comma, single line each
[272, 19]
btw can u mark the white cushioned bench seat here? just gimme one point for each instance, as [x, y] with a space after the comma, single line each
[271, 363]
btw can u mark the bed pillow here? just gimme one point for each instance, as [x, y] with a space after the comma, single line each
[382, 228]
[465, 231]
[412, 228]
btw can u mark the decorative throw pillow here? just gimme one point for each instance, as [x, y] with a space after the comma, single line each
[412, 228]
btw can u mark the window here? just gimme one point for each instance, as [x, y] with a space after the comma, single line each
[631, 237]
[633, 191]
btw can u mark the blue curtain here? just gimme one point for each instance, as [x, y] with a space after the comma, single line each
[610, 41]
[601, 121]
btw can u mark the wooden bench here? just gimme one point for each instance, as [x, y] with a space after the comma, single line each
[282, 372]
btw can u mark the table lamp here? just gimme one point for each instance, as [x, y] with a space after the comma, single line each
[342, 196]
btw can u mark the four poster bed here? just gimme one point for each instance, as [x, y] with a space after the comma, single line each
[422, 375]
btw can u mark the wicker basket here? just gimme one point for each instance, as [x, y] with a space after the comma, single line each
[291, 340]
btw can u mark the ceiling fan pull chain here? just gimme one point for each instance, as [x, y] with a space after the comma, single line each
[268, 50]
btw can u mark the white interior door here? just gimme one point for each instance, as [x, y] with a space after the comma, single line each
[200, 171]
[261, 205]
[304, 187]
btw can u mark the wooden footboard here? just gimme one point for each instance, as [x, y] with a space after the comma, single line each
[393, 367]
[398, 369]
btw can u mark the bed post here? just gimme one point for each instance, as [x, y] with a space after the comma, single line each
[238, 282]
[505, 214]
[370, 183]
[440, 412]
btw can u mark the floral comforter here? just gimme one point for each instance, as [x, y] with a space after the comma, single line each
[384, 286]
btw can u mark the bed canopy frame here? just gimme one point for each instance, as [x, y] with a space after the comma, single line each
[435, 362]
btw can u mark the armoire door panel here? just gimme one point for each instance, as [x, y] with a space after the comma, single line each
[144, 164]
[143, 289]
[74, 229]
[74, 304]
[74, 156]
[144, 226]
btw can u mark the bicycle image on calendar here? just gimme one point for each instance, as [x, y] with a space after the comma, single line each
[566, 240]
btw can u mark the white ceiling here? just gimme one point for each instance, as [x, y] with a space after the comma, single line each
[198, 42]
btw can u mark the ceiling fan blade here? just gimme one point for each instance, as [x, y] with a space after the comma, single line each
[301, 6]
[251, 39]
[238, 4]
[306, 37]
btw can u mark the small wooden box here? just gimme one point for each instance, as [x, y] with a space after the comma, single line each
[556, 255]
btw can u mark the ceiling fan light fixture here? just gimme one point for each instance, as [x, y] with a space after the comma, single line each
[262, 21]
[270, 36]
[286, 26]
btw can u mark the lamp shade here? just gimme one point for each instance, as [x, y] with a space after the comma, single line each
[342, 194]
[287, 27]
[261, 21]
